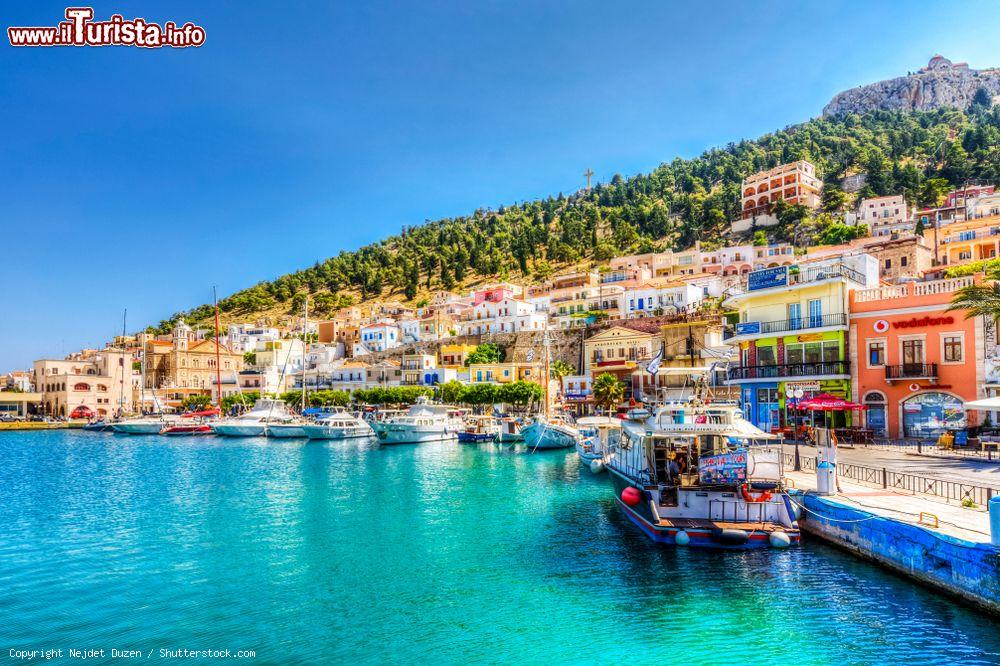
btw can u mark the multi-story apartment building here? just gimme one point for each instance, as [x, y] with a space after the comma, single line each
[791, 334]
[99, 383]
[913, 362]
[886, 216]
[509, 315]
[987, 205]
[795, 183]
[579, 306]
[962, 242]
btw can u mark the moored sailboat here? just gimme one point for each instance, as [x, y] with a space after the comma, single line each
[548, 431]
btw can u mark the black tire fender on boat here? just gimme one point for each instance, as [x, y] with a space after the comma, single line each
[730, 536]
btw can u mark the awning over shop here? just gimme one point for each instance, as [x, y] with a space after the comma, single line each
[826, 402]
[986, 404]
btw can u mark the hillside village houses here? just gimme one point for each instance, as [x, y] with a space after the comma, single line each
[794, 323]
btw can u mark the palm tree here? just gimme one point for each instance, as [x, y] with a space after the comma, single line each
[608, 391]
[978, 300]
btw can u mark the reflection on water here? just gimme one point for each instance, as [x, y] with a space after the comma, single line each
[311, 552]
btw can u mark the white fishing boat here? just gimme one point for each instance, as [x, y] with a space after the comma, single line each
[510, 431]
[598, 436]
[422, 422]
[253, 423]
[479, 428]
[697, 473]
[338, 425]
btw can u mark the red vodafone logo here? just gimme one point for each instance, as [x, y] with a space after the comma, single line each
[881, 326]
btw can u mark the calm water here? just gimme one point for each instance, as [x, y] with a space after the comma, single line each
[316, 553]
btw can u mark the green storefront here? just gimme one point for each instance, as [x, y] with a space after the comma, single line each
[801, 364]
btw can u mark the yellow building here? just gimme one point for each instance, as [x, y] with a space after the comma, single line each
[962, 242]
[503, 373]
[792, 335]
[454, 355]
[183, 366]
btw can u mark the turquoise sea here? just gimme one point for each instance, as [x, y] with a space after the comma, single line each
[443, 554]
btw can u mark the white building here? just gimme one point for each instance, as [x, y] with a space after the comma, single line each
[243, 338]
[885, 215]
[650, 298]
[380, 336]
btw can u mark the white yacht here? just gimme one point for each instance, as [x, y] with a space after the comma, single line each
[338, 425]
[254, 423]
[423, 422]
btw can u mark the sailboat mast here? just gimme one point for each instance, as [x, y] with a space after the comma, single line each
[545, 376]
[121, 396]
[305, 345]
[218, 353]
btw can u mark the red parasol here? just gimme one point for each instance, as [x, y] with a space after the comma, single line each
[826, 402]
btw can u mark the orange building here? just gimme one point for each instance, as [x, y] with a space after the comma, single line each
[913, 362]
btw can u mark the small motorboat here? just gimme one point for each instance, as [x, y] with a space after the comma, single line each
[195, 426]
[599, 436]
[99, 425]
[479, 429]
[510, 431]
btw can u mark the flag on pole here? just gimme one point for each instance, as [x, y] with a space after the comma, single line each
[531, 355]
[654, 363]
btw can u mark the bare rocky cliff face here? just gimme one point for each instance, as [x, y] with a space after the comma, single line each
[941, 84]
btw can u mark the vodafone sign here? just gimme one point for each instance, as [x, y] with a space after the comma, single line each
[917, 322]
[881, 326]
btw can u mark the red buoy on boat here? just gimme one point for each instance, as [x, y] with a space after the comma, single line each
[631, 496]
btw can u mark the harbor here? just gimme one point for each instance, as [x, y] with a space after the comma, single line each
[351, 551]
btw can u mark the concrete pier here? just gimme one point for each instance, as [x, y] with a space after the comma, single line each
[944, 545]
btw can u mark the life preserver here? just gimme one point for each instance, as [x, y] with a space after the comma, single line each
[749, 498]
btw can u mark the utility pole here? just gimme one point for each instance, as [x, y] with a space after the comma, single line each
[588, 174]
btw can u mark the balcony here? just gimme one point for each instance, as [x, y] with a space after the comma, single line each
[797, 324]
[789, 370]
[911, 371]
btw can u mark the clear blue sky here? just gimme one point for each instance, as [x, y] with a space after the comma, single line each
[140, 178]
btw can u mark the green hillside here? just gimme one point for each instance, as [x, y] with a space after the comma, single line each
[921, 154]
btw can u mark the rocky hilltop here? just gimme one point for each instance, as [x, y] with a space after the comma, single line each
[941, 83]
